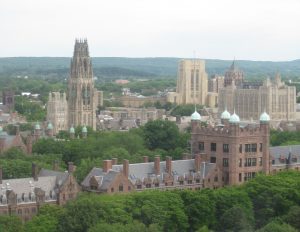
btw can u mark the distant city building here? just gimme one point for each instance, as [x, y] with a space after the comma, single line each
[233, 74]
[24, 196]
[191, 83]
[274, 97]
[215, 83]
[83, 99]
[57, 111]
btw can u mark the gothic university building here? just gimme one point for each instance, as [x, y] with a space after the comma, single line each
[229, 153]
[77, 107]
[192, 83]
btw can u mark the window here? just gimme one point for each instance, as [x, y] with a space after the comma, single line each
[156, 184]
[260, 147]
[139, 186]
[240, 177]
[213, 147]
[225, 162]
[181, 182]
[129, 188]
[197, 181]
[213, 159]
[33, 210]
[253, 162]
[190, 181]
[148, 185]
[19, 211]
[240, 162]
[120, 188]
[216, 179]
[201, 146]
[241, 148]
[112, 190]
[249, 176]
[225, 147]
[251, 147]
[250, 162]
[260, 161]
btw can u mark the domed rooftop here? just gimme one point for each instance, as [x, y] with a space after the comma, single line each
[264, 117]
[225, 115]
[84, 129]
[234, 118]
[37, 126]
[50, 126]
[195, 116]
[72, 130]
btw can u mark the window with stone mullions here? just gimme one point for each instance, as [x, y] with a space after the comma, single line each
[213, 147]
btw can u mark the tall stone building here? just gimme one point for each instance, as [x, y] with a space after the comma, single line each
[233, 74]
[215, 83]
[57, 111]
[82, 96]
[274, 97]
[191, 83]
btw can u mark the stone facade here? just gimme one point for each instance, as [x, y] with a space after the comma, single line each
[140, 101]
[10, 141]
[57, 111]
[215, 83]
[233, 75]
[239, 153]
[191, 83]
[23, 197]
[274, 97]
[82, 96]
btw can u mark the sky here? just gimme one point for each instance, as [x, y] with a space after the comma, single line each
[210, 29]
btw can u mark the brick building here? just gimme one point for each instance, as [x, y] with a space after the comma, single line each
[24, 196]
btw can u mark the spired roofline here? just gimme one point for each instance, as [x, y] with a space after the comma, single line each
[81, 48]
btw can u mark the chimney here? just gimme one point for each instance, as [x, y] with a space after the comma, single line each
[114, 161]
[1, 174]
[169, 165]
[126, 168]
[34, 171]
[157, 165]
[197, 162]
[55, 165]
[29, 144]
[145, 159]
[107, 165]
[71, 167]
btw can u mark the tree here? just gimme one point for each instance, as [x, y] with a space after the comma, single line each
[276, 226]
[293, 217]
[235, 220]
[10, 224]
[161, 134]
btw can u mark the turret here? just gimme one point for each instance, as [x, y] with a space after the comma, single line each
[225, 116]
[37, 131]
[50, 129]
[195, 119]
[84, 132]
[72, 132]
[264, 120]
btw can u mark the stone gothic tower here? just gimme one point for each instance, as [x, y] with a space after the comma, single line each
[82, 96]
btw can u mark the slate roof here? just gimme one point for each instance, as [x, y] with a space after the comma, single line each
[279, 154]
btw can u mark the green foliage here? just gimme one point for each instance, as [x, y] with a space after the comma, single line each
[161, 134]
[185, 110]
[276, 226]
[293, 216]
[117, 227]
[278, 138]
[10, 224]
[46, 220]
[235, 220]
[33, 111]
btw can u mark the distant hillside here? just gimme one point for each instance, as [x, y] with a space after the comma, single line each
[119, 67]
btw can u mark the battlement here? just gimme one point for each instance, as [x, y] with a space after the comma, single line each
[81, 48]
[57, 96]
[243, 131]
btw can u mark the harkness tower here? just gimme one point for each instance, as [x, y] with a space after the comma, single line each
[81, 94]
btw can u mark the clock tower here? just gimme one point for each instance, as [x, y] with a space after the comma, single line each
[81, 95]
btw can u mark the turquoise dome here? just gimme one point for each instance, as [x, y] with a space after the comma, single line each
[37, 126]
[225, 115]
[195, 116]
[84, 129]
[50, 126]
[72, 130]
[234, 118]
[264, 117]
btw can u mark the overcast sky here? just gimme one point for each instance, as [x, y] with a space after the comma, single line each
[222, 29]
